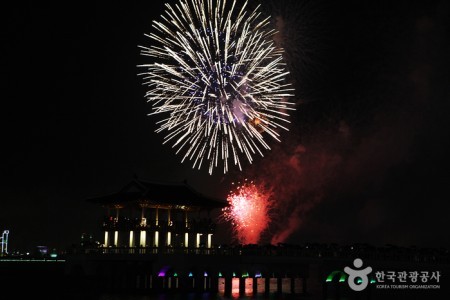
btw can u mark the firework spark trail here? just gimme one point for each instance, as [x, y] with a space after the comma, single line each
[249, 211]
[219, 79]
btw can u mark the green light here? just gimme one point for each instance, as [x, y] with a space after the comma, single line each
[190, 274]
[175, 274]
[245, 274]
[359, 280]
[220, 274]
[373, 281]
[234, 274]
[53, 255]
[342, 278]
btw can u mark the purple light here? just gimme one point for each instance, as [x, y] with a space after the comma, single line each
[163, 271]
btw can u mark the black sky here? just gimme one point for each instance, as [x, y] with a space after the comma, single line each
[371, 130]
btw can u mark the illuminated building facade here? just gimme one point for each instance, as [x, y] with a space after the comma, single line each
[4, 242]
[155, 215]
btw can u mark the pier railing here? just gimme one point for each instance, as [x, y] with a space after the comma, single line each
[384, 253]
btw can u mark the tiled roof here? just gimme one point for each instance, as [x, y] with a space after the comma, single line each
[159, 193]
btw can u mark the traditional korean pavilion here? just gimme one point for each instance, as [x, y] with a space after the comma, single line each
[158, 214]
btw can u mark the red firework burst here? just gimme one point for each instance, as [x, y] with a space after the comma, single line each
[249, 211]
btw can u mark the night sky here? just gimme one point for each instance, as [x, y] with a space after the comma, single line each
[365, 161]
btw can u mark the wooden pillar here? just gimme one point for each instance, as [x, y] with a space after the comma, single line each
[131, 239]
[156, 239]
[169, 238]
[186, 239]
[209, 243]
[169, 228]
[116, 238]
[106, 239]
[142, 238]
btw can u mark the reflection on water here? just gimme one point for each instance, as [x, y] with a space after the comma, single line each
[259, 289]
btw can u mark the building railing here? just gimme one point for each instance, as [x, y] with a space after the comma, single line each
[127, 224]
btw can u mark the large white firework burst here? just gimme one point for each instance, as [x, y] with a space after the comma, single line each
[218, 79]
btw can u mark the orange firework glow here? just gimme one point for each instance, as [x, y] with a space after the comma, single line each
[249, 211]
